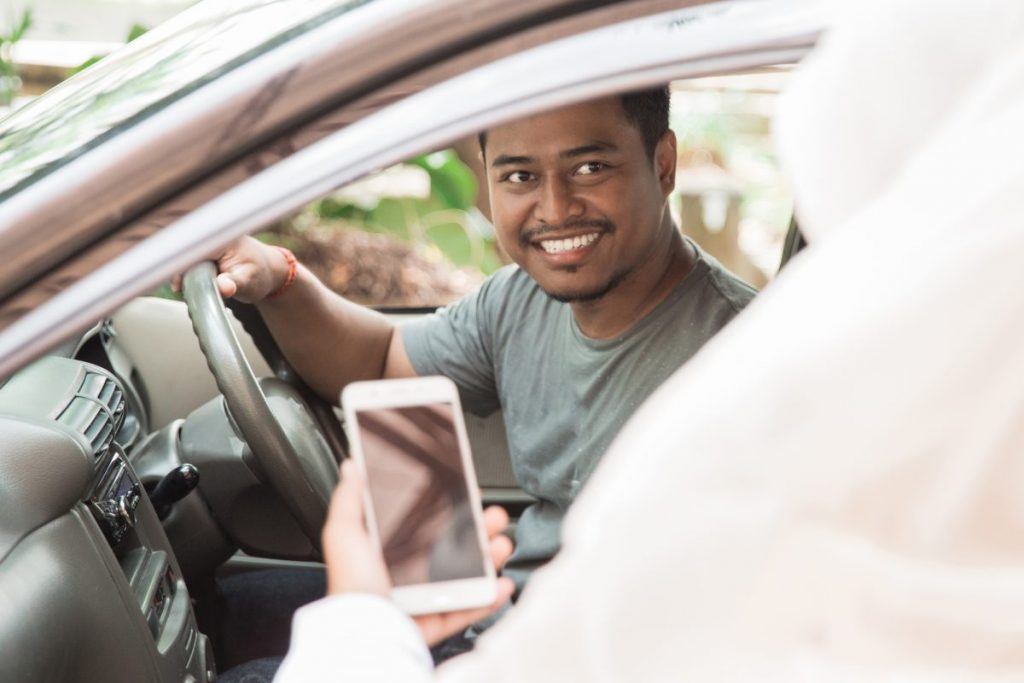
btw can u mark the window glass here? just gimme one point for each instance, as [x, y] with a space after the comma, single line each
[413, 235]
[730, 194]
[418, 234]
[179, 56]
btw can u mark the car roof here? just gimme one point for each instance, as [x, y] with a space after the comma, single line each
[139, 193]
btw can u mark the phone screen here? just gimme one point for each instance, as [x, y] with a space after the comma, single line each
[418, 487]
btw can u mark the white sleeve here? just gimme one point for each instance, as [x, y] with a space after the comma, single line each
[354, 637]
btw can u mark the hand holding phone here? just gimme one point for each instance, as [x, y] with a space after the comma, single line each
[422, 503]
[355, 563]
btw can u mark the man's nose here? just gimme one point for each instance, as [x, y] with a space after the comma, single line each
[557, 202]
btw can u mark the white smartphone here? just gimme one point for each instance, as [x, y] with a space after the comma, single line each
[408, 438]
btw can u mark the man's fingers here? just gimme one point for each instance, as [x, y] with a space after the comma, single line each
[242, 272]
[226, 285]
[242, 275]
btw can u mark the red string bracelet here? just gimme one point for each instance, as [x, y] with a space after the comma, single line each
[293, 270]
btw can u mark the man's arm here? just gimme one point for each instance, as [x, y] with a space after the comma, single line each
[329, 340]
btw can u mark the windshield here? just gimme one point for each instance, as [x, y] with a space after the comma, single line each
[183, 54]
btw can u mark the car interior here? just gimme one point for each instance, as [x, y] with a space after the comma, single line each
[168, 455]
[135, 394]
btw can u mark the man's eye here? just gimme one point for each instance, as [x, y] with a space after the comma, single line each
[590, 168]
[518, 177]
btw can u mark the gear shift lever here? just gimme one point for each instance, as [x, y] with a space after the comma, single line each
[175, 485]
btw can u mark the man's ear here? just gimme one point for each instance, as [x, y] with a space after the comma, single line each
[665, 159]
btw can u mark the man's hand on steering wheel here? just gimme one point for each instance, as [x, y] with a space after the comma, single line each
[294, 456]
[249, 271]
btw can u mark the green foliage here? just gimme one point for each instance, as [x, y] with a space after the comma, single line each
[9, 81]
[446, 220]
[8, 40]
[164, 291]
[84, 65]
[451, 181]
[136, 31]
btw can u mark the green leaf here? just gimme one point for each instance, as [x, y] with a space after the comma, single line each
[23, 26]
[164, 291]
[392, 217]
[331, 208]
[452, 241]
[83, 66]
[451, 181]
[137, 30]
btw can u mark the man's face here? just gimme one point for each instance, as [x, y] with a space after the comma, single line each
[576, 201]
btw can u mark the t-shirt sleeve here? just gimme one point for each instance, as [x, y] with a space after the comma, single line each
[459, 342]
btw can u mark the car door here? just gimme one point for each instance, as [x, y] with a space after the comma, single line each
[506, 64]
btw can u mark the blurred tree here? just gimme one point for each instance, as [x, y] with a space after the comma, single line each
[409, 235]
[10, 82]
[136, 31]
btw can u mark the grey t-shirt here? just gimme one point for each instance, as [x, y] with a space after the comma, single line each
[564, 395]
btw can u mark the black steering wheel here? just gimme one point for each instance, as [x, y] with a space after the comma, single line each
[269, 414]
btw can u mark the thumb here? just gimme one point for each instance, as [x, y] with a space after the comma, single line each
[354, 562]
[226, 285]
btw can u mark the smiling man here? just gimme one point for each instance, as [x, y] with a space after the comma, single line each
[605, 300]
[579, 198]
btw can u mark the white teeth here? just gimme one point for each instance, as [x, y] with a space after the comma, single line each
[569, 243]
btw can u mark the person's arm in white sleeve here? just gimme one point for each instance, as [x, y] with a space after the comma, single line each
[356, 628]
[356, 632]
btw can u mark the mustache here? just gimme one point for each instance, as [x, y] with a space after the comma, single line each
[532, 234]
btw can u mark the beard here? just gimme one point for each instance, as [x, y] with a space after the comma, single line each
[588, 295]
[602, 225]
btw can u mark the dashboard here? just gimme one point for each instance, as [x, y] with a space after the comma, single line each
[90, 588]
[89, 567]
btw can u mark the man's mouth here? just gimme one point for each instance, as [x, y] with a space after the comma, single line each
[569, 245]
[559, 246]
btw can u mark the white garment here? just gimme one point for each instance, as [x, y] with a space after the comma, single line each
[833, 488]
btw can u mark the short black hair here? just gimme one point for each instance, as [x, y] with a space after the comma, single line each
[647, 110]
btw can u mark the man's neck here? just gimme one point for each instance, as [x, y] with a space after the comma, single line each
[638, 294]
